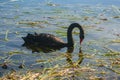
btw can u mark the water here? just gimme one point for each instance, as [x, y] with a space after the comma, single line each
[100, 20]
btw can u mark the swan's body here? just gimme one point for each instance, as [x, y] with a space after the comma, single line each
[51, 41]
[44, 40]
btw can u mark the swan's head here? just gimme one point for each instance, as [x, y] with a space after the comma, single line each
[81, 38]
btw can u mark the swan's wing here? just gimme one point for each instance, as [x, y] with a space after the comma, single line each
[43, 39]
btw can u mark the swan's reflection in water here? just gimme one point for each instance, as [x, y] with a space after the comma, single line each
[68, 53]
[35, 48]
[69, 56]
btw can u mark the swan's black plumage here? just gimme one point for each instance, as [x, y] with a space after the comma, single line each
[45, 40]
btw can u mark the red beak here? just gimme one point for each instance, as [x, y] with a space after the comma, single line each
[81, 41]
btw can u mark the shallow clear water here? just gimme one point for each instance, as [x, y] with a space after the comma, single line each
[100, 20]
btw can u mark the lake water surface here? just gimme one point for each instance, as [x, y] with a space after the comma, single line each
[100, 20]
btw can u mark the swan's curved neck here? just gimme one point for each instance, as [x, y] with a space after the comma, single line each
[69, 33]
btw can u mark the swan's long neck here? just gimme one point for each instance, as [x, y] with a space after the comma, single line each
[69, 33]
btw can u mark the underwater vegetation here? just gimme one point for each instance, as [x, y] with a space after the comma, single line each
[97, 58]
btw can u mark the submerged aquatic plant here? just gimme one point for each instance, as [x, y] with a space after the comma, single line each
[6, 35]
[15, 52]
[116, 41]
[33, 23]
[111, 52]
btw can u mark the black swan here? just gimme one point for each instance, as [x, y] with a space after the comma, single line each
[44, 40]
